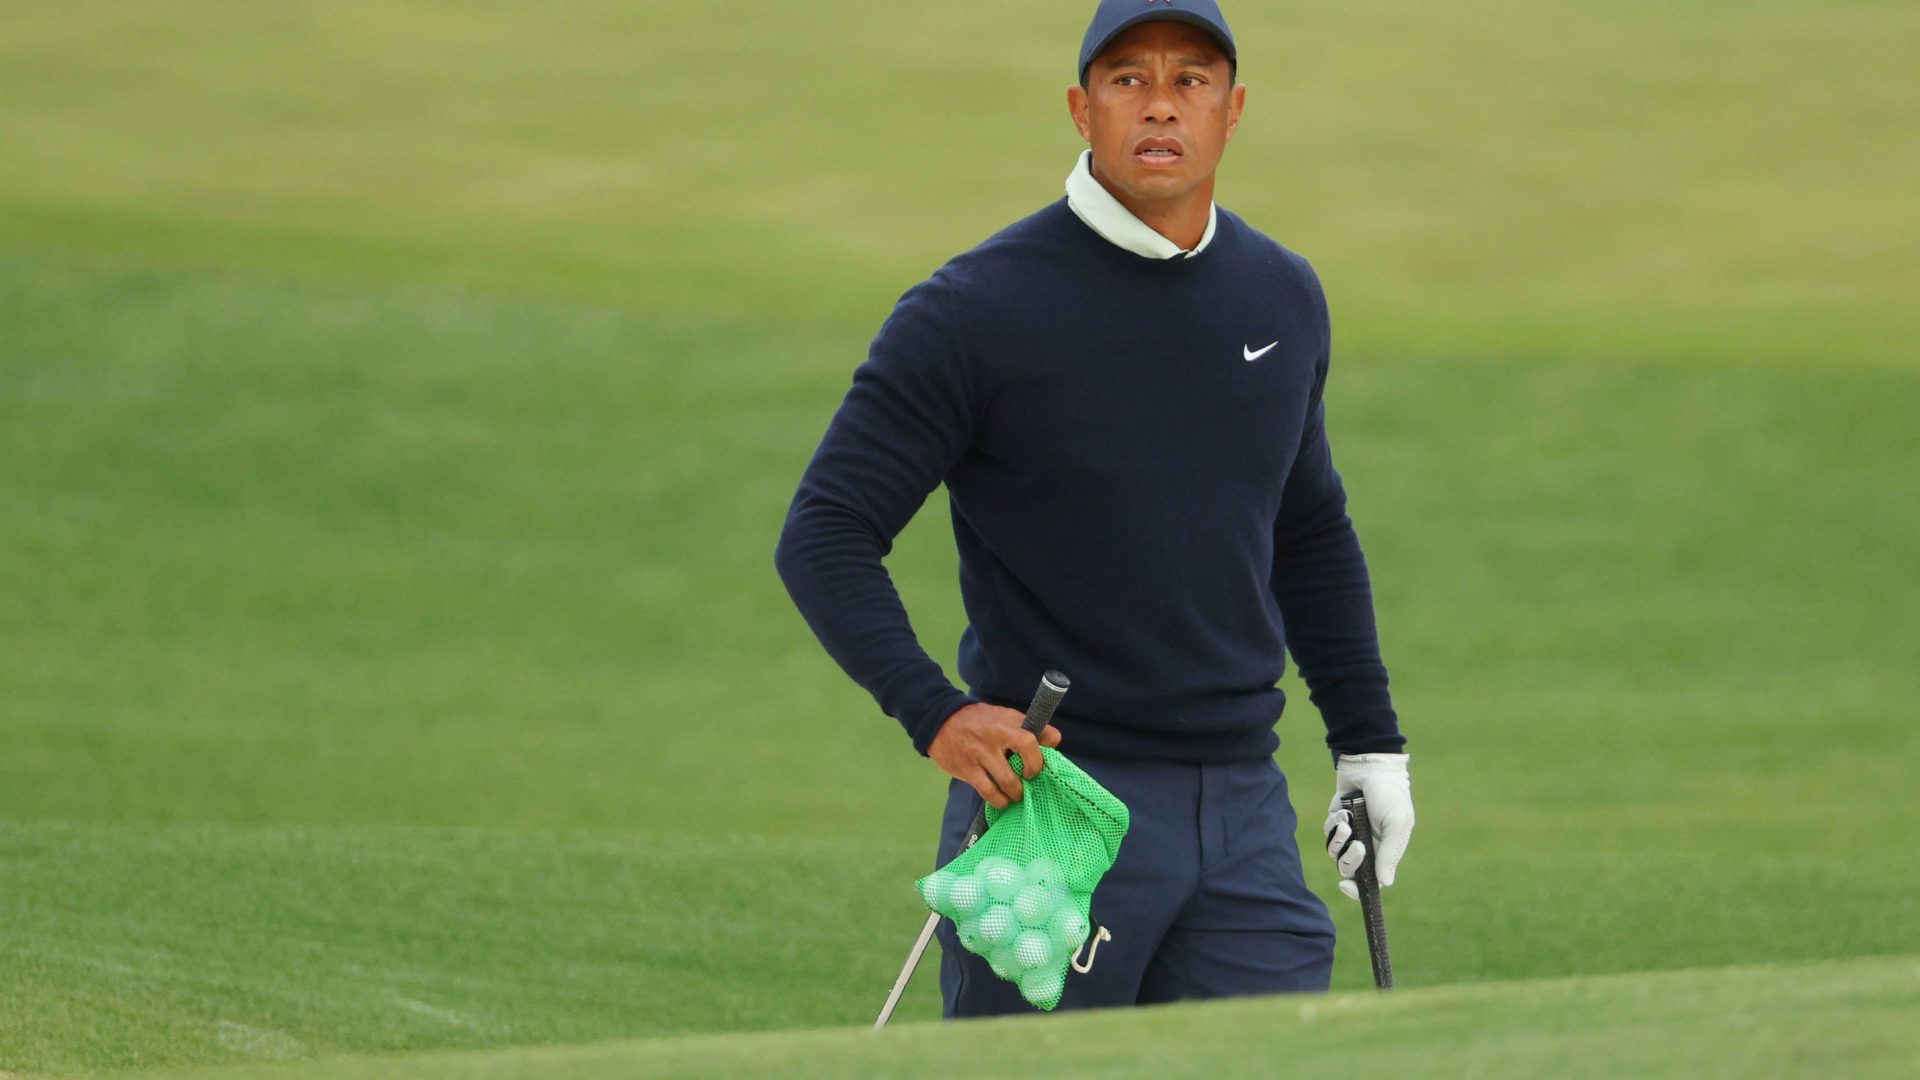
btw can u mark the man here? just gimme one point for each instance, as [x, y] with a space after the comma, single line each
[1123, 396]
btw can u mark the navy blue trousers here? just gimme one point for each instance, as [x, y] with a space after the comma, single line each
[1205, 900]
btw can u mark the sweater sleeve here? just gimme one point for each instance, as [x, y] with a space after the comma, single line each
[1326, 598]
[908, 417]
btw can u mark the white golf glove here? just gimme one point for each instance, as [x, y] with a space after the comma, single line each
[1382, 778]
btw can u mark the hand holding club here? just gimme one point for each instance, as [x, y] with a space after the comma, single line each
[1382, 778]
[973, 744]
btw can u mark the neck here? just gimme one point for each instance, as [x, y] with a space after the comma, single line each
[1180, 218]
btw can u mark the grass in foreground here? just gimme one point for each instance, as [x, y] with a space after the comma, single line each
[1851, 1019]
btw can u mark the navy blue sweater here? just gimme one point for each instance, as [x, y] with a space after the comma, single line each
[1137, 498]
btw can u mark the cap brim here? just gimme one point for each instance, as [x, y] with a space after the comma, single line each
[1226, 44]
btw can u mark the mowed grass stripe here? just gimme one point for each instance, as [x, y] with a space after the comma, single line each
[124, 945]
[1745, 1023]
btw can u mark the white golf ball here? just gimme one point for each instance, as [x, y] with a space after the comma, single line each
[1034, 905]
[987, 864]
[1003, 878]
[1005, 963]
[1044, 871]
[998, 925]
[1043, 985]
[966, 896]
[1032, 948]
[1068, 928]
[935, 887]
[969, 935]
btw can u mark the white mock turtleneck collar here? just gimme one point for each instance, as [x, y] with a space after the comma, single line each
[1104, 214]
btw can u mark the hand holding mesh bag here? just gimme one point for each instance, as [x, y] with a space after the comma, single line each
[1021, 897]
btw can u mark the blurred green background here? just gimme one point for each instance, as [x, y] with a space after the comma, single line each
[399, 403]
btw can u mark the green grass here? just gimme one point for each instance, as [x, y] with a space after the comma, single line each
[1721, 178]
[1648, 625]
[311, 941]
[163, 945]
[399, 403]
[1750, 1023]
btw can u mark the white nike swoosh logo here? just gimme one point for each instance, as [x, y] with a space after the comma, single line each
[1251, 356]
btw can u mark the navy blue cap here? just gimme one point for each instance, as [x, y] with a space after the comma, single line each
[1115, 16]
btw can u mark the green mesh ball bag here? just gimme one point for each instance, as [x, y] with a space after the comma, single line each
[1020, 896]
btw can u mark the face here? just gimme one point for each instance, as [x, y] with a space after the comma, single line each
[1158, 110]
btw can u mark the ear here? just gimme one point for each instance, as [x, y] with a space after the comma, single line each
[1077, 108]
[1236, 101]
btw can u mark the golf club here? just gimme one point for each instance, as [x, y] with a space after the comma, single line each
[1364, 878]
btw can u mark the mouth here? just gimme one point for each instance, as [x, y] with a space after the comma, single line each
[1158, 153]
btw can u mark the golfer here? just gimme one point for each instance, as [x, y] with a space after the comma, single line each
[1124, 396]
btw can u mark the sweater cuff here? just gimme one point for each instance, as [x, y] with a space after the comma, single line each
[1360, 719]
[1385, 744]
[925, 723]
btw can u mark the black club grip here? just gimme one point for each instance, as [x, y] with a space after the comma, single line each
[1364, 878]
[1053, 687]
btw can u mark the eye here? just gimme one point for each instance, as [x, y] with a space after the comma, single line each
[1126, 80]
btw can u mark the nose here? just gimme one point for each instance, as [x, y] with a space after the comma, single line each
[1160, 106]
